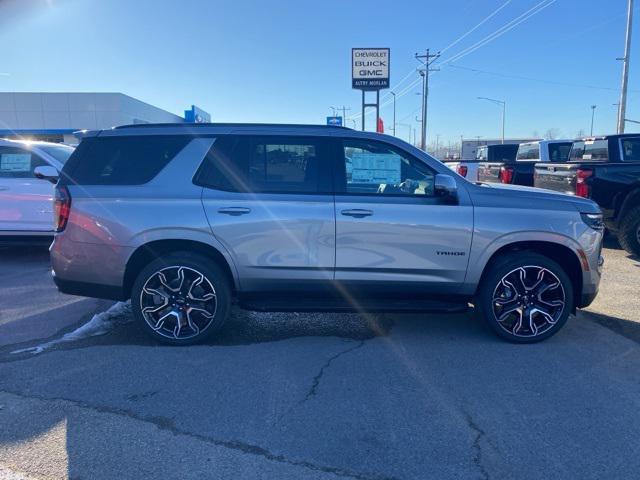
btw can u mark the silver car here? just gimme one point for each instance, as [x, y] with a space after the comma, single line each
[186, 219]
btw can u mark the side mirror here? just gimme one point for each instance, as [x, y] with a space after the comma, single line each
[46, 172]
[445, 186]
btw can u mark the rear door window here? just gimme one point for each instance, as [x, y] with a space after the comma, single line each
[126, 160]
[267, 164]
[631, 149]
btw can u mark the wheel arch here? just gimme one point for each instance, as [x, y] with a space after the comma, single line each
[560, 253]
[631, 199]
[146, 253]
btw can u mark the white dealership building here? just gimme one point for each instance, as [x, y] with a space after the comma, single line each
[55, 116]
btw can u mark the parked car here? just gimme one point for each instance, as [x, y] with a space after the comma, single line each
[605, 169]
[183, 220]
[27, 170]
[489, 155]
[520, 170]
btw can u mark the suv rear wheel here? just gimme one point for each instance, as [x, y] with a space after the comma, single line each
[181, 298]
[525, 297]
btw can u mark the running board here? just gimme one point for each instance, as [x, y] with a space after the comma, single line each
[338, 305]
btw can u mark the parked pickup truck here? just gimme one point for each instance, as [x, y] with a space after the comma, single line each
[466, 168]
[490, 155]
[605, 169]
[520, 170]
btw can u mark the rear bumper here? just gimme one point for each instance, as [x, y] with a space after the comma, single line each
[87, 269]
[83, 289]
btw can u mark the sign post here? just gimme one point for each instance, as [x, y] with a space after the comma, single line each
[370, 72]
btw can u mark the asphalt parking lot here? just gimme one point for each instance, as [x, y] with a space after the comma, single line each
[315, 395]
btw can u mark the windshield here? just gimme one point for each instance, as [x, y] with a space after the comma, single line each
[482, 153]
[60, 152]
[590, 151]
[559, 152]
[528, 151]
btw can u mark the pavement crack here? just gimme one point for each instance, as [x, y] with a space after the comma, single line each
[318, 377]
[167, 424]
[477, 456]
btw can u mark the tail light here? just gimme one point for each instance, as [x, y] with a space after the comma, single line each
[462, 170]
[582, 188]
[506, 174]
[61, 208]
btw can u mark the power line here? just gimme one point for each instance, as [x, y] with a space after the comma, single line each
[486, 19]
[537, 8]
[540, 80]
[457, 40]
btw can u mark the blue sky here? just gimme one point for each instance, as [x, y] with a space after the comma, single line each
[289, 61]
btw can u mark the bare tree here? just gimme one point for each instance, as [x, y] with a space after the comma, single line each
[552, 134]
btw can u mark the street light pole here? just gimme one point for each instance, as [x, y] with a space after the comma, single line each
[622, 110]
[394, 112]
[504, 110]
[593, 111]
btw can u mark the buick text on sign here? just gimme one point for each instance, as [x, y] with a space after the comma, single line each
[370, 68]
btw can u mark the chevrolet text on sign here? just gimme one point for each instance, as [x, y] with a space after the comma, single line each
[370, 68]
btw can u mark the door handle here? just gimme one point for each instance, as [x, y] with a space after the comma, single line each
[357, 213]
[234, 211]
[2, 187]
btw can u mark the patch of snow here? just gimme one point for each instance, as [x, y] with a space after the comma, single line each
[100, 324]
[7, 473]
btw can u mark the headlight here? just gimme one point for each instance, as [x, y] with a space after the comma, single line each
[594, 220]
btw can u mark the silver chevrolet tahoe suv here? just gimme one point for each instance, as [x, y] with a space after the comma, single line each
[186, 219]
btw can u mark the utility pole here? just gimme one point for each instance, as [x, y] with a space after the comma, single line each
[622, 110]
[593, 111]
[394, 112]
[344, 114]
[427, 59]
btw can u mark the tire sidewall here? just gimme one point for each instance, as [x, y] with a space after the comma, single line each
[484, 298]
[197, 262]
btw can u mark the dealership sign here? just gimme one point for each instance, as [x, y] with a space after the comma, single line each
[370, 68]
[336, 121]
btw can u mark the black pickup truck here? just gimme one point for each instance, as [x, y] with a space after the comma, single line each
[490, 159]
[519, 171]
[607, 170]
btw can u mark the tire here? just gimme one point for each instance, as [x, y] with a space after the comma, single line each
[526, 311]
[629, 233]
[181, 298]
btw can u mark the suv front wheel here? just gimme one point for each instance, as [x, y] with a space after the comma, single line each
[181, 298]
[525, 297]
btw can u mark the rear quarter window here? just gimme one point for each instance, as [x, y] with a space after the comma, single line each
[126, 160]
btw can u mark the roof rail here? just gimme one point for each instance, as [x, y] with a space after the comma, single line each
[204, 125]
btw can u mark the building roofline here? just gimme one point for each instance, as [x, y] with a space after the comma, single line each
[227, 125]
